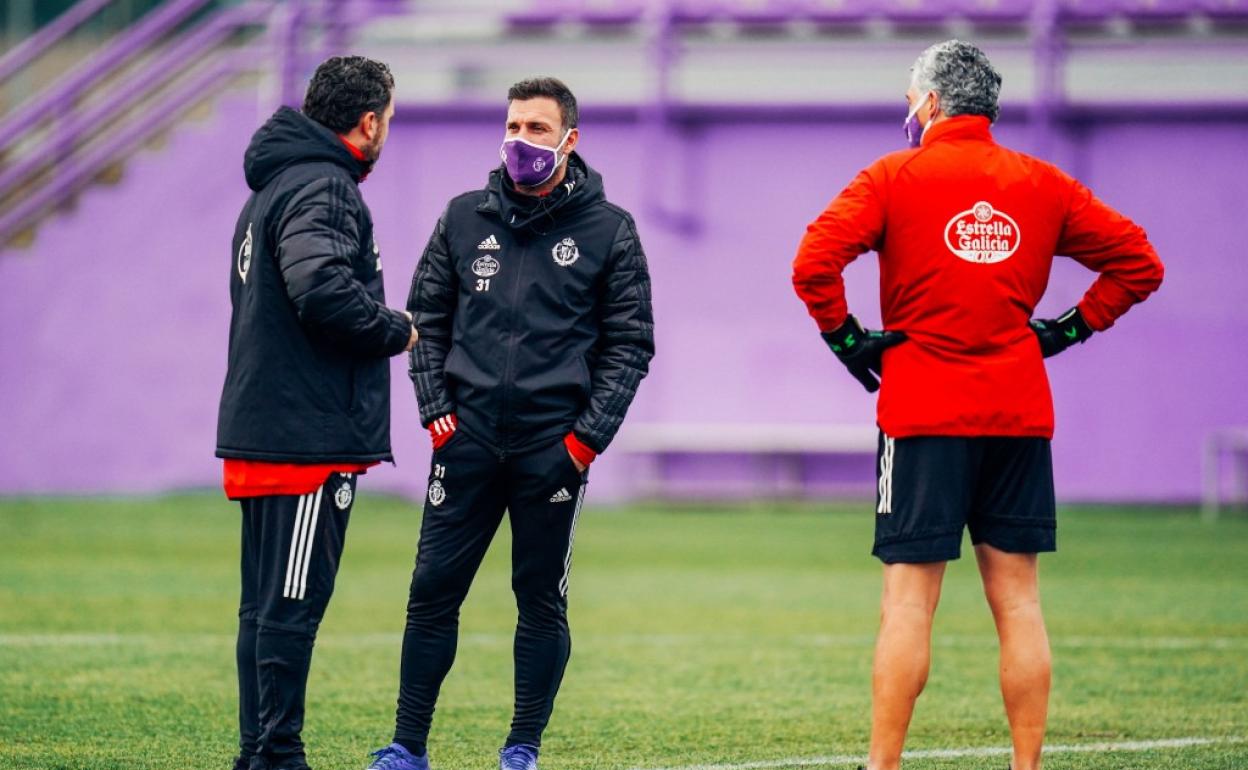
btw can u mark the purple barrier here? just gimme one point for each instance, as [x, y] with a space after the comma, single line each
[49, 35]
[114, 326]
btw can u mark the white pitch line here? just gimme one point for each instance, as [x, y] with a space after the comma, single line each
[987, 751]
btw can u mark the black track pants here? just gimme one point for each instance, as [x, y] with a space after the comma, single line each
[291, 549]
[469, 491]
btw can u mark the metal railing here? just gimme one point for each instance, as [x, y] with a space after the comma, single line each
[142, 82]
[38, 44]
[63, 137]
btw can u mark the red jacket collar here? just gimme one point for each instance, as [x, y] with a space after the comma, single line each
[960, 127]
[356, 152]
[366, 166]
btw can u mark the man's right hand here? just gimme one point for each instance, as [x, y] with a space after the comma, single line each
[414, 337]
[862, 350]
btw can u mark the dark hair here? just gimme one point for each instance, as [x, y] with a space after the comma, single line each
[344, 88]
[553, 88]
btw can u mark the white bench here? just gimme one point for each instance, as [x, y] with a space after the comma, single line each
[1230, 443]
[786, 445]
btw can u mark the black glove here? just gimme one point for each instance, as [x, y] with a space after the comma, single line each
[861, 350]
[1059, 333]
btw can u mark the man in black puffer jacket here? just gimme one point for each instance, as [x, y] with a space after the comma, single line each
[533, 304]
[306, 402]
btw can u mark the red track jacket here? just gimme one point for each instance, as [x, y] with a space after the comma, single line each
[966, 231]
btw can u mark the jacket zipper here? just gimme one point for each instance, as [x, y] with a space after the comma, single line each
[511, 349]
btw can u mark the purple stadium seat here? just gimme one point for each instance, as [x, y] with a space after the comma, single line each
[919, 11]
[1233, 10]
[1141, 10]
[612, 12]
[1087, 10]
[767, 12]
[996, 10]
[839, 11]
[701, 11]
[544, 13]
[1158, 10]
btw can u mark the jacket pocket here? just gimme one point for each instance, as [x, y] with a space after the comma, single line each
[565, 467]
[456, 437]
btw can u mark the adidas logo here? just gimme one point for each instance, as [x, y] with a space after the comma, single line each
[562, 496]
[489, 244]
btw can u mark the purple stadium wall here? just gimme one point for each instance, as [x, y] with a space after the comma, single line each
[112, 329]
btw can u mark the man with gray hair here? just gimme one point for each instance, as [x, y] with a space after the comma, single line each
[966, 232]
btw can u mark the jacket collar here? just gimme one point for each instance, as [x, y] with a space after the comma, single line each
[964, 127]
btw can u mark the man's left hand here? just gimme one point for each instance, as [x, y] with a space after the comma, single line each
[580, 466]
[1057, 334]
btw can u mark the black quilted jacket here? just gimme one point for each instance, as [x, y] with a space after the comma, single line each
[307, 379]
[534, 314]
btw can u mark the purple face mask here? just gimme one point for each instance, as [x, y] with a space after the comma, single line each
[531, 164]
[914, 130]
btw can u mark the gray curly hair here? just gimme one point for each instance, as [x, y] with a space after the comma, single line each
[962, 76]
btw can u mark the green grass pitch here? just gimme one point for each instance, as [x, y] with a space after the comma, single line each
[701, 635]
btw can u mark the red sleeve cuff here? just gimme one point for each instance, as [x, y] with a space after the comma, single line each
[441, 430]
[831, 323]
[1096, 320]
[583, 454]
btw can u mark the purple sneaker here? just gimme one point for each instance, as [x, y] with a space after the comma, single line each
[395, 757]
[519, 757]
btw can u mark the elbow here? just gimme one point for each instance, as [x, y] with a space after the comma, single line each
[1157, 274]
[307, 311]
[802, 275]
[803, 261]
[803, 266]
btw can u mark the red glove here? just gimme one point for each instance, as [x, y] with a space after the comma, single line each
[441, 430]
[583, 454]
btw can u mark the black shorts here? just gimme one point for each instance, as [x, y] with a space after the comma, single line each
[930, 487]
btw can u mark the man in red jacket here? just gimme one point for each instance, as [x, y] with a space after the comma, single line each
[966, 232]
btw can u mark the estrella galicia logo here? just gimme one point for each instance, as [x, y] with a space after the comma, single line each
[565, 252]
[485, 266]
[982, 234]
[244, 255]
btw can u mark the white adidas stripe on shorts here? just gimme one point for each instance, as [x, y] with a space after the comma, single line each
[885, 504]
